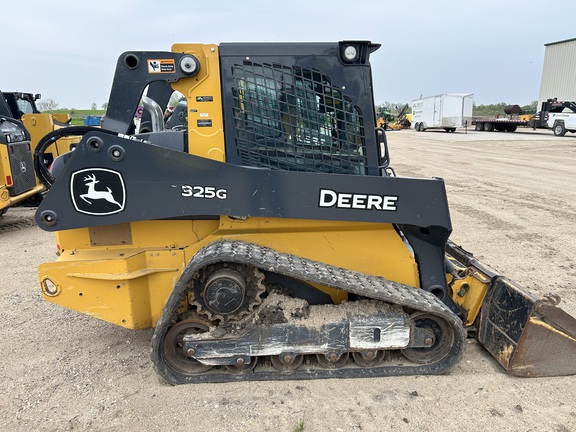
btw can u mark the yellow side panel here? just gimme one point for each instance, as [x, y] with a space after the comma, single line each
[4, 164]
[205, 123]
[128, 284]
[142, 234]
[374, 249]
[129, 291]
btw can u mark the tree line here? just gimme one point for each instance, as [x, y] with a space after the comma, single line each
[386, 110]
[390, 110]
[51, 105]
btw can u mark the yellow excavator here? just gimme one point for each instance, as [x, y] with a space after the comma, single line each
[259, 228]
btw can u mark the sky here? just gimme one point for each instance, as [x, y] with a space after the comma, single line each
[67, 50]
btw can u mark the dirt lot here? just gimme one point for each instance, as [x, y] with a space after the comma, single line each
[513, 203]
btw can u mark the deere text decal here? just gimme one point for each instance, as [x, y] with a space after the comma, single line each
[330, 198]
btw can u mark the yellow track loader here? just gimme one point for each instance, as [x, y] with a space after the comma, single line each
[260, 230]
[17, 180]
[21, 128]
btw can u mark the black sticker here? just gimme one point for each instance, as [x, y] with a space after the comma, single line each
[204, 98]
[204, 123]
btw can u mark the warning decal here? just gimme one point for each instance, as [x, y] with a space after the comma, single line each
[161, 66]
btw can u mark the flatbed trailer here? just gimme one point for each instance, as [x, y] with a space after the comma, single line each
[509, 123]
[499, 125]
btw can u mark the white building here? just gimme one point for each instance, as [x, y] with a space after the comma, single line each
[559, 71]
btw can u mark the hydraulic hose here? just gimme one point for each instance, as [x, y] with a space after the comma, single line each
[42, 171]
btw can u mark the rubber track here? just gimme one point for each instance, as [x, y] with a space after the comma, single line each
[309, 271]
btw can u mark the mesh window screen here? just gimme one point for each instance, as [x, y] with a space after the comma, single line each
[294, 119]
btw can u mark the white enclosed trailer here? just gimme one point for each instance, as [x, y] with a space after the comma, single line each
[446, 111]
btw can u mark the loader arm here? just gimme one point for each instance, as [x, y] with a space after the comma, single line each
[188, 186]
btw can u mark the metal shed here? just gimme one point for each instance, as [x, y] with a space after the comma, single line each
[559, 71]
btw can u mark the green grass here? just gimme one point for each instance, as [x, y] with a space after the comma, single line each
[77, 116]
[300, 427]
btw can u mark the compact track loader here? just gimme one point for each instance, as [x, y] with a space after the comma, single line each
[17, 180]
[261, 231]
[21, 128]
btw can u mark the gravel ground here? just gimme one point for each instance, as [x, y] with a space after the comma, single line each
[512, 199]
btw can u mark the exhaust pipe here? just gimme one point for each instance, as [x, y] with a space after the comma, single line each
[156, 114]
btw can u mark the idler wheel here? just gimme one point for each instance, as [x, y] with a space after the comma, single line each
[174, 353]
[440, 345]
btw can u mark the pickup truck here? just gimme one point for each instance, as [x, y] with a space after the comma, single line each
[560, 116]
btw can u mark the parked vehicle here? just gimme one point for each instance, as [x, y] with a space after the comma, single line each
[509, 122]
[446, 111]
[560, 116]
[17, 180]
[22, 126]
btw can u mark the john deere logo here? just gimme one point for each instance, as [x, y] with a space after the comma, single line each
[98, 191]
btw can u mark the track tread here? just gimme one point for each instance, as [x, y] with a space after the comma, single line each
[311, 271]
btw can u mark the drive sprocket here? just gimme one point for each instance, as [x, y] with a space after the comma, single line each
[226, 292]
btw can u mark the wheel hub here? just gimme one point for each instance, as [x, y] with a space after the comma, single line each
[224, 292]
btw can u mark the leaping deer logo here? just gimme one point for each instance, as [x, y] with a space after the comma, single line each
[90, 181]
[90, 198]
